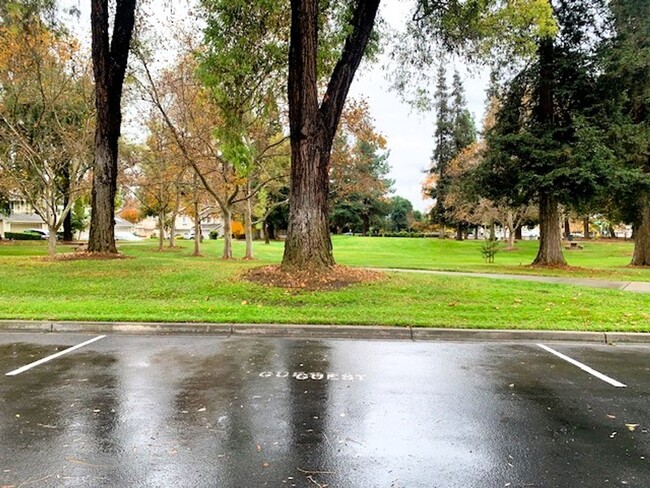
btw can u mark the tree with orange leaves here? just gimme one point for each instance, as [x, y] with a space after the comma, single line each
[359, 185]
[46, 116]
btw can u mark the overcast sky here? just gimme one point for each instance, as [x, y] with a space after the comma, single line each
[409, 133]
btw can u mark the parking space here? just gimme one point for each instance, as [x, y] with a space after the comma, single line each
[205, 411]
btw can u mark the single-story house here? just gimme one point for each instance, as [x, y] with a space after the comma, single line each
[20, 222]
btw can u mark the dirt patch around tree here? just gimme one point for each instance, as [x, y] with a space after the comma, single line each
[85, 255]
[334, 278]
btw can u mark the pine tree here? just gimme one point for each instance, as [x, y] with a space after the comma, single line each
[455, 131]
[625, 116]
[544, 148]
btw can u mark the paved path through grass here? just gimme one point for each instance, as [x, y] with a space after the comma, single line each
[635, 286]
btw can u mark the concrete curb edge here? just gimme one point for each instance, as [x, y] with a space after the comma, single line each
[323, 331]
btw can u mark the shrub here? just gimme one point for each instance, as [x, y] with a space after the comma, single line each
[214, 234]
[489, 248]
[22, 236]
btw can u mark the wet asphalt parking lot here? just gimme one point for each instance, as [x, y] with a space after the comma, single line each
[202, 411]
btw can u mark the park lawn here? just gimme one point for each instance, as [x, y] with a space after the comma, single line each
[174, 287]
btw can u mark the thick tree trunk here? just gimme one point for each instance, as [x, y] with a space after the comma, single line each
[248, 229]
[308, 243]
[641, 256]
[459, 232]
[227, 234]
[550, 243]
[110, 56]
[102, 222]
[519, 235]
[68, 233]
[586, 230]
[365, 224]
[493, 230]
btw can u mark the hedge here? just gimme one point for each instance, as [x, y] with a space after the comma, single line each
[22, 236]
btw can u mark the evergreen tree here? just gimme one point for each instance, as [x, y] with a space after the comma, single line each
[544, 148]
[455, 131]
[463, 127]
[624, 115]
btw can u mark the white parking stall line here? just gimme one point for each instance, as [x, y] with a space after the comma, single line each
[584, 367]
[53, 356]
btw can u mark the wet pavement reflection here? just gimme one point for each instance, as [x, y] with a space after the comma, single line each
[254, 412]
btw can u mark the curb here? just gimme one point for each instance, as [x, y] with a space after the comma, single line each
[324, 331]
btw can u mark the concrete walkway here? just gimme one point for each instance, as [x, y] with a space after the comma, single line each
[634, 286]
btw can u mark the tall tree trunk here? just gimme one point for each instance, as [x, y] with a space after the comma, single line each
[172, 222]
[567, 227]
[51, 241]
[510, 226]
[365, 224]
[110, 56]
[611, 231]
[641, 256]
[493, 230]
[227, 234]
[198, 236]
[65, 188]
[161, 231]
[265, 231]
[550, 243]
[248, 227]
[519, 234]
[308, 243]
[459, 232]
[586, 230]
[68, 233]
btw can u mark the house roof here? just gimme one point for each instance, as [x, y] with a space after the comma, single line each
[23, 218]
[122, 223]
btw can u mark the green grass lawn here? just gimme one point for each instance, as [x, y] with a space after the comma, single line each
[173, 286]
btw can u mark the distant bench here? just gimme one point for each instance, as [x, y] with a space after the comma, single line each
[574, 245]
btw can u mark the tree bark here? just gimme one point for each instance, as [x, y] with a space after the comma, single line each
[161, 231]
[459, 232]
[567, 227]
[109, 66]
[265, 231]
[248, 228]
[366, 224]
[550, 243]
[51, 241]
[227, 234]
[197, 230]
[519, 234]
[641, 256]
[308, 243]
[550, 237]
[65, 188]
[611, 231]
[586, 231]
[172, 224]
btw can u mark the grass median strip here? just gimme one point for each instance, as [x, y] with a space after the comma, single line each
[174, 287]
